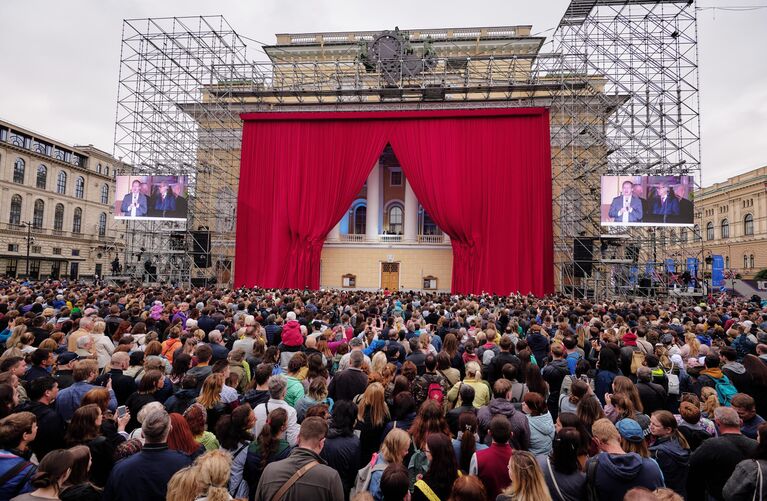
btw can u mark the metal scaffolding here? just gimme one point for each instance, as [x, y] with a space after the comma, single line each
[620, 79]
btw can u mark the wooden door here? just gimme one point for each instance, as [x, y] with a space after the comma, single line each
[390, 276]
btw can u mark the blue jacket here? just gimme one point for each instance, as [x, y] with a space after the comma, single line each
[603, 383]
[144, 476]
[69, 399]
[19, 483]
[616, 474]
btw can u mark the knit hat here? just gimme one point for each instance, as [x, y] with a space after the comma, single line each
[629, 339]
[630, 430]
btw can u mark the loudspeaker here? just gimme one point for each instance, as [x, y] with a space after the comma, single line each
[583, 254]
[201, 248]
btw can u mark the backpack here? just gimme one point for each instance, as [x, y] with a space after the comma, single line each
[362, 483]
[673, 381]
[725, 390]
[637, 360]
[434, 392]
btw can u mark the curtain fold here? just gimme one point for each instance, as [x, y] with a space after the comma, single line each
[297, 180]
[484, 176]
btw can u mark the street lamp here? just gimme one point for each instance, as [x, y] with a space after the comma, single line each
[29, 244]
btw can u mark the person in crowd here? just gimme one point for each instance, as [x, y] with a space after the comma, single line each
[562, 468]
[466, 399]
[613, 471]
[320, 482]
[671, 450]
[527, 481]
[316, 394]
[78, 485]
[500, 405]
[395, 483]
[490, 464]
[607, 371]
[196, 417]
[652, 395]
[372, 417]
[181, 439]
[17, 431]
[234, 435]
[467, 441]
[145, 475]
[210, 399]
[438, 480]
[540, 423]
[350, 382]
[342, 450]
[51, 474]
[474, 379]
[150, 383]
[86, 429]
[270, 445]
[68, 399]
[257, 391]
[467, 488]
[394, 448]
[554, 373]
[745, 406]
[712, 464]
[748, 479]
[50, 426]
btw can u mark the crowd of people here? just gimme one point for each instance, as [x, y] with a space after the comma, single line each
[121, 393]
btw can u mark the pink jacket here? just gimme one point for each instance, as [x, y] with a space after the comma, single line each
[291, 333]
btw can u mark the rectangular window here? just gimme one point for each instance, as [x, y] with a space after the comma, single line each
[36, 249]
[75, 252]
[57, 251]
[395, 178]
[10, 267]
[13, 247]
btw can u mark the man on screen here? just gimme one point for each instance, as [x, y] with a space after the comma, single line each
[626, 207]
[163, 203]
[666, 204]
[134, 203]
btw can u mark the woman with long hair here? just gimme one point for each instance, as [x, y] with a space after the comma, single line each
[181, 439]
[430, 419]
[184, 485]
[214, 470]
[535, 382]
[181, 364]
[588, 446]
[85, 429]
[562, 467]
[9, 398]
[671, 450]
[270, 445]
[467, 441]
[50, 476]
[624, 409]
[316, 394]
[624, 385]
[210, 398]
[78, 487]
[197, 417]
[541, 424]
[443, 469]
[568, 402]
[372, 417]
[709, 401]
[234, 435]
[527, 482]
[394, 448]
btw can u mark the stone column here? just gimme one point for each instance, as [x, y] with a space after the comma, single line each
[411, 214]
[373, 203]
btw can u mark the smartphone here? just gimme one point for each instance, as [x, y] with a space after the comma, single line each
[121, 410]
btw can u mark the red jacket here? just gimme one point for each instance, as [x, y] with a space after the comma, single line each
[291, 333]
[493, 468]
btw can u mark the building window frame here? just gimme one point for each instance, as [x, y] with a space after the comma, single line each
[15, 213]
[38, 214]
[77, 220]
[102, 224]
[105, 194]
[80, 187]
[61, 183]
[42, 177]
[19, 169]
[748, 225]
[710, 231]
[396, 219]
[725, 228]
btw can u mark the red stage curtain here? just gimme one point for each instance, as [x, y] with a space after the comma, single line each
[297, 179]
[483, 175]
[486, 182]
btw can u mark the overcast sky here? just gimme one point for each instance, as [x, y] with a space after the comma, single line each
[60, 59]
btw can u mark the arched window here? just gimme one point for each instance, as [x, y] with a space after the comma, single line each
[683, 235]
[751, 261]
[745, 261]
[428, 226]
[725, 228]
[696, 233]
[748, 224]
[15, 217]
[61, 183]
[58, 217]
[710, 231]
[98, 168]
[102, 224]
[105, 194]
[80, 187]
[77, 220]
[359, 225]
[18, 171]
[395, 219]
[38, 214]
[42, 176]
[106, 170]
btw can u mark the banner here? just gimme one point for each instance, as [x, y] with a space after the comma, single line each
[717, 271]
[692, 266]
[670, 266]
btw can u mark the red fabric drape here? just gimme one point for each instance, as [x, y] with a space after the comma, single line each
[483, 175]
[296, 181]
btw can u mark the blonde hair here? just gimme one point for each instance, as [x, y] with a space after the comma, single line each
[214, 468]
[391, 448]
[473, 368]
[527, 482]
[374, 400]
[210, 393]
[709, 400]
[184, 485]
[691, 340]
[99, 327]
[605, 431]
[16, 334]
[378, 362]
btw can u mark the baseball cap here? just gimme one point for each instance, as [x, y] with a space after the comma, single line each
[630, 430]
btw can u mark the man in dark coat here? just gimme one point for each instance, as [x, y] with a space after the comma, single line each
[554, 373]
[350, 382]
[50, 426]
[145, 475]
[123, 386]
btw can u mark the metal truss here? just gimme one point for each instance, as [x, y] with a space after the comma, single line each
[620, 79]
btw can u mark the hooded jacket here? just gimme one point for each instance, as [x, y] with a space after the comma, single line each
[614, 475]
[674, 462]
[342, 451]
[520, 426]
[738, 377]
[541, 433]
[291, 334]
[50, 428]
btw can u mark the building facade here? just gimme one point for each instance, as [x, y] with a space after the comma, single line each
[731, 221]
[55, 207]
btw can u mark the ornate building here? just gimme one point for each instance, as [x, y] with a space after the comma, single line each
[55, 201]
